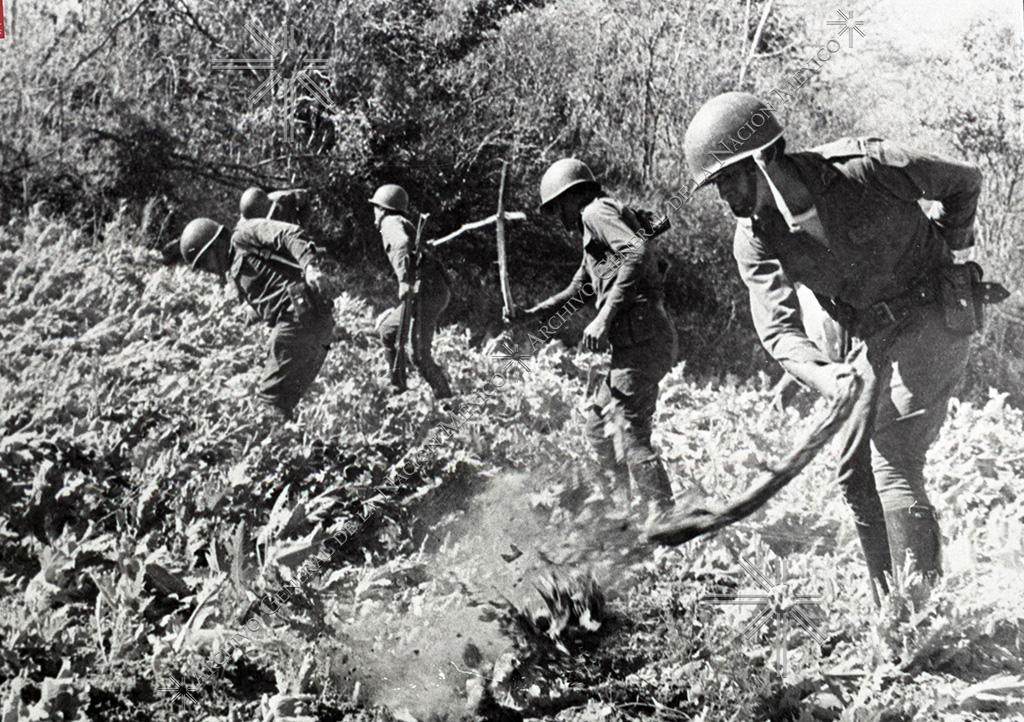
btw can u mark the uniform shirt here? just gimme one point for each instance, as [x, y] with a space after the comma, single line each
[290, 206]
[398, 235]
[617, 261]
[878, 243]
[262, 281]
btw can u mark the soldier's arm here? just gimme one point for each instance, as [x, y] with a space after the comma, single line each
[775, 309]
[603, 222]
[579, 279]
[286, 239]
[912, 175]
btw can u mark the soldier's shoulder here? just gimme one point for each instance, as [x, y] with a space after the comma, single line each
[866, 148]
[602, 210]
[263, 228]
[395, 227]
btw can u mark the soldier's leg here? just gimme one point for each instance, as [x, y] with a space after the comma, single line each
[635, 397]
[296, 353]
[429, 307]
[857, 480]
[612, 472]
[927, 362]
[388, 333]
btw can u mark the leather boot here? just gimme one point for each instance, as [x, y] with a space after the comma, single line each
[915, 531]
[875, 543]
[438, 382]
[653, 484]
[610, 475]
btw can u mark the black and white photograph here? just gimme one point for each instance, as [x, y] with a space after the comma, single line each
[505, 360]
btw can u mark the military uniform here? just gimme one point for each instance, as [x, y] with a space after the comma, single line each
[267, 262]
[876, 271]
[623, 271]
[432, 297]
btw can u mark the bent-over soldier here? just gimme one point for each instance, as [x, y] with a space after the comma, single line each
[432, 290]
[844, 220]
[621, 270]
[277, 271]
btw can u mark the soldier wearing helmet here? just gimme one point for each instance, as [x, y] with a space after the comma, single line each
[844, 220]
[288, 206]
[277, 272]
[432, 293]
[621, 271]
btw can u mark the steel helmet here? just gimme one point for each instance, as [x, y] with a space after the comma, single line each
[727, 129]
[197, 238]
[255, 203]
[391, 197]
[561, 176]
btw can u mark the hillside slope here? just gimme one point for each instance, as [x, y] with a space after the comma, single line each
[159, 536]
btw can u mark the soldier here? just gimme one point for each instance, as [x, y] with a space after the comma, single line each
[288, 206]
[277, 271]
[844, 220]
[621, 270]
[432, 290]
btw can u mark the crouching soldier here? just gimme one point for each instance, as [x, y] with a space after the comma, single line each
[431, 293]
[843, 219]
[278, 272]
[288, 206]
[620, 269]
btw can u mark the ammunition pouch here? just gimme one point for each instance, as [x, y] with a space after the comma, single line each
[305, 302]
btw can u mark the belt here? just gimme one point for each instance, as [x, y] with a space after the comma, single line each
[869, 321]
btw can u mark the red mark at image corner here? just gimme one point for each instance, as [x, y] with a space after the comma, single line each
[1, 19]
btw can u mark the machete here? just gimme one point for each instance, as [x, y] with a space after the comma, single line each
[689, 523]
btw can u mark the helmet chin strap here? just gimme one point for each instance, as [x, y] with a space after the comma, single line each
[791, 220]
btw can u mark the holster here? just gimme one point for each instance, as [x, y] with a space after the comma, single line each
[964, 296]
[957, 287]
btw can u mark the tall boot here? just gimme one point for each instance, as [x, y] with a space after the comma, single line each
[611, 474]
[653, 484]
[915, 531]
[435, 377]
[875, 544]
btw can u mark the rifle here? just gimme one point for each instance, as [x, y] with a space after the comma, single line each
[398, 368]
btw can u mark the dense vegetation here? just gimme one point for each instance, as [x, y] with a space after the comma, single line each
[153, 519]
[152, 514]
